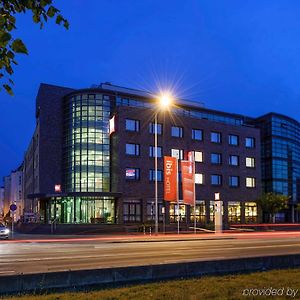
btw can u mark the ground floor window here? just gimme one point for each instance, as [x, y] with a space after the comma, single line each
[81, 210]
[132, 211]
[151, 211]
[212, 210]
[250, 212]
[200, 212]
[174, 213]
[234, 212]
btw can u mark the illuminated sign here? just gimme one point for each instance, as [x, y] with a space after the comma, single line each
[112, 127]
[57, 188]
[130, 173]
[170, 178]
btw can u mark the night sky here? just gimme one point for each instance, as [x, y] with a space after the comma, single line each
[237, 56]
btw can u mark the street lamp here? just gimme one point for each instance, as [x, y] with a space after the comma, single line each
[165, 101]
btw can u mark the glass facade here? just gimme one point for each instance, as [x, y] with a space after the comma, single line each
[86, 143]
[281, 155]
[95, 210]
[86, 162]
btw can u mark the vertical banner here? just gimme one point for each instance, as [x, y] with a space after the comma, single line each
[188, 182]
[170, 178]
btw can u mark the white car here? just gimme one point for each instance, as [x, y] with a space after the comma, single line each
[4, 232]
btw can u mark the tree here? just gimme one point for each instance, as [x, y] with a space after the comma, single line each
[272, 203]
[42, 10]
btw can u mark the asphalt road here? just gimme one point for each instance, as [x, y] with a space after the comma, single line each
[49, 255]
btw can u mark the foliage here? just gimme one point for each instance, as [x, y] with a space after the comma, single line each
[41, 10]
[272, 203]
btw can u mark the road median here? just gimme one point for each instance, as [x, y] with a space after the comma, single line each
[78, 279]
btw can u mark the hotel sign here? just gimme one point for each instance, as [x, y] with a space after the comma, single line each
[188, 181]
[170, 178]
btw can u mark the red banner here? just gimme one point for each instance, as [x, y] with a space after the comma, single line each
[170, 178]
[188, 182]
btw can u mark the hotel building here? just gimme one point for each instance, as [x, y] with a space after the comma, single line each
[91, 158]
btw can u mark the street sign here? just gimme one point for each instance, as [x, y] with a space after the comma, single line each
[13, 207]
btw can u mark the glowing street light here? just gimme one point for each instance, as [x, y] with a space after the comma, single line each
[165, 101]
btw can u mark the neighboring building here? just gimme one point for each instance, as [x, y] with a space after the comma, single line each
[16, 192]
[13, 193]
[1, 202]
[281, 159]
[75, 171]
[7, 190]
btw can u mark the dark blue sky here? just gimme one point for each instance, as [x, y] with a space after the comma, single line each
[237, 56]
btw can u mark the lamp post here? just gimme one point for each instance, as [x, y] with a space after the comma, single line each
[164, 102]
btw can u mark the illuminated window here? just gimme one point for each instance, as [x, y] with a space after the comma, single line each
[132, 174]
[250, 162]
[234, 212]
[250, 212]
[199, 178]
[174, 212]
[198, 156]
[250, 182]
[177, 153]
[200, 212]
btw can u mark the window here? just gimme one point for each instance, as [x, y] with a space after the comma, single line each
[132, 173]
[216, 158]
[199, 178]
[152, 128]
[174, 212]
[233, 160]
[133, 149]
[177, 131]
[152, 175]
[234, 212]
[250, 162]
[197, 134]
[234, 181]
[250, 182]
[152, 151]
[151, 211]
[177, 153]
[132, 125]
[250, 212]
[233, 140]
[216, 179]
[198, 156]
[132, 211]
[250, 142]
[199, 213]
[215, 137]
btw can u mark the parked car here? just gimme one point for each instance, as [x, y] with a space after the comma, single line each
[4, 232]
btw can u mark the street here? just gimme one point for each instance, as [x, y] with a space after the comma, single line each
[50, 255]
